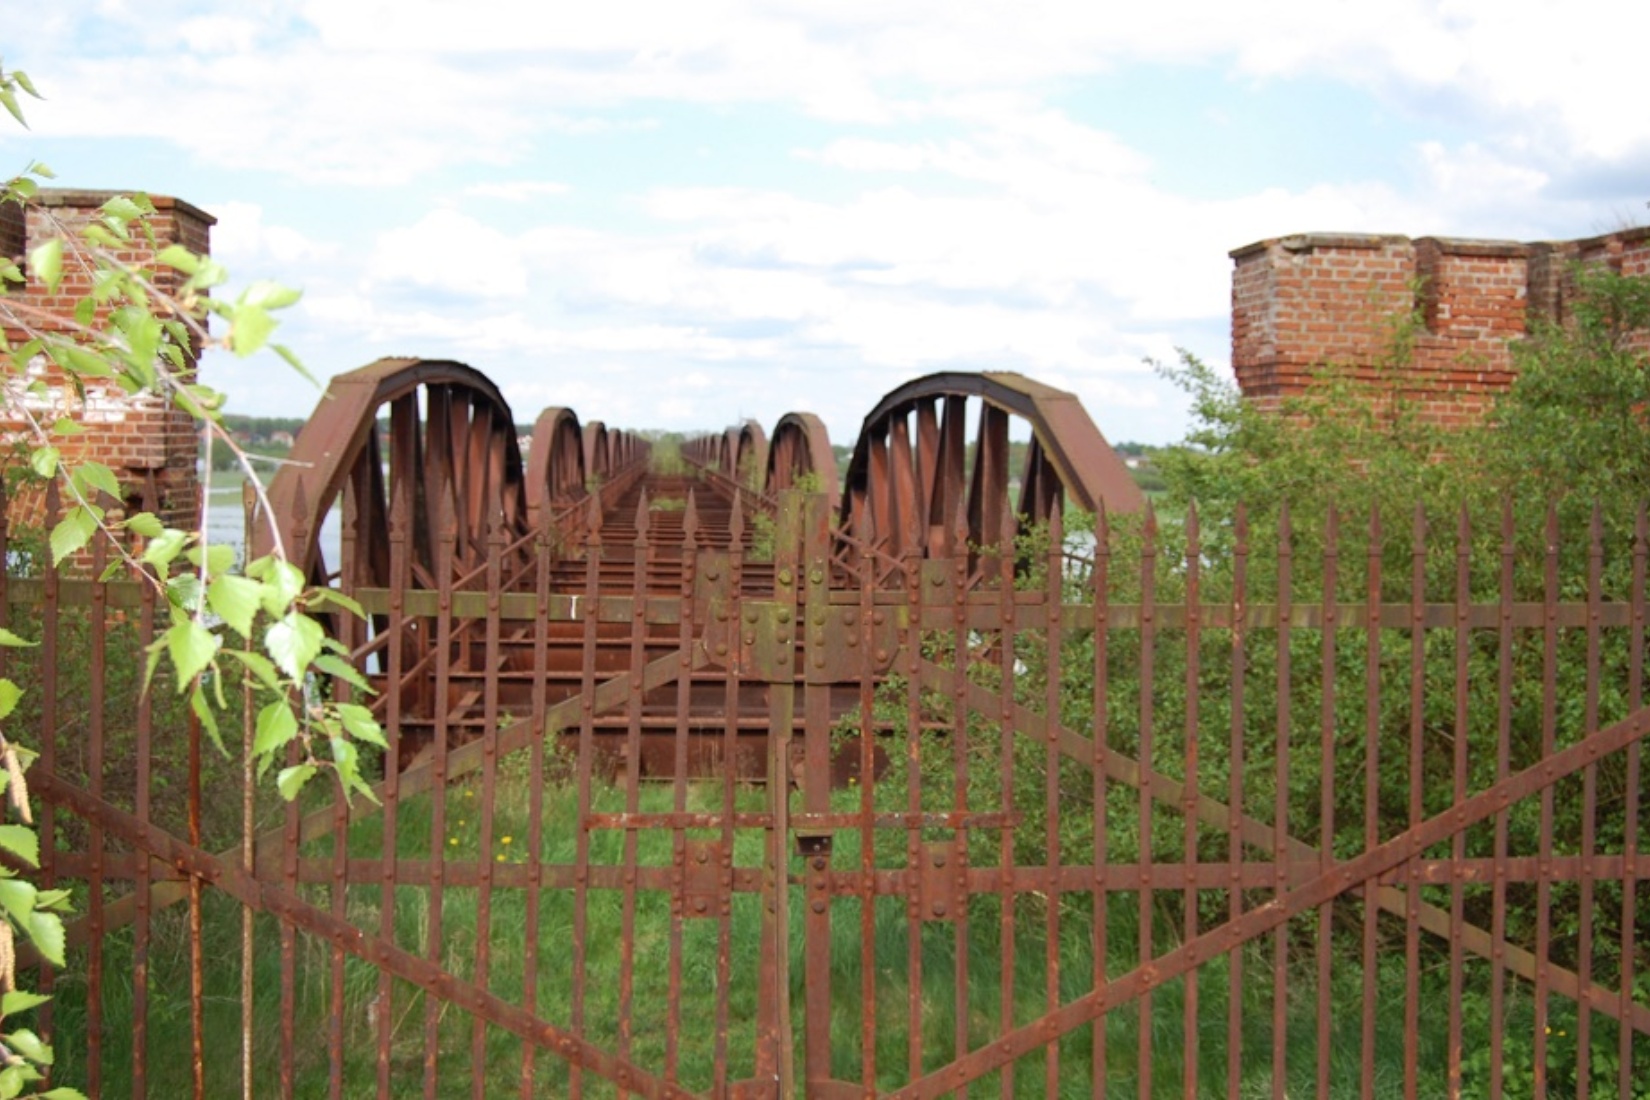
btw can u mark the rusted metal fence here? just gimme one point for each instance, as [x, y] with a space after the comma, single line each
[722, 801]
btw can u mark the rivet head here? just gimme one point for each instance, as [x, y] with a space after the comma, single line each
[750, 614]
[700, 905]
[784, 576]
[819, 906]
[817, 575]
[819, 863]
[784, 614]
[721, 649]
[882, 654]
[939, 908]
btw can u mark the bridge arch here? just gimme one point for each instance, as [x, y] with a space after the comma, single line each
[912, 487]
[801, 446]
[448, 449]
[556, 463]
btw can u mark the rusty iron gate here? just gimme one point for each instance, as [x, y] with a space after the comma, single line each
[709, 781]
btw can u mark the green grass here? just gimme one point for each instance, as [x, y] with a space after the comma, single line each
[1025, 964]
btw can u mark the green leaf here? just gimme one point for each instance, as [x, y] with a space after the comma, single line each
[291, 780]
[184, 591]
[293, 643]
[46, 261]
[10, 102]
[123, 208]
[164, 547]
[63, 1094]
[219, 558]
[343, 670]
[191, 647]
[295, 363]
[21, 841]
[17, 898]
[46, 930]
[9, 694]
[259, 665]
[10, 639]
[179, 258]
[30, 1046]
[63, 425]
[249, 329]
[283, 582]
[324, 598]
[20, 1001]
[267, 295]
[27, 85]
[72, 532]
[11, 1081]
[43, 461]
[276, 726]
[95, 475]
[145, 524]
[360, 724]
[203, 711]
[235, 600]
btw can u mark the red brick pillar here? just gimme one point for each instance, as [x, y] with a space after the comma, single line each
[149, 444]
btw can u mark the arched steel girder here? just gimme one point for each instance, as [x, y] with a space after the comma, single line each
[746, 453]
[556, 462]
[909, 488]
[801, 446]
[598, 452]
[447, 453]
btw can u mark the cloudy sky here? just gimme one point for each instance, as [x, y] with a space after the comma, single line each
[678, 213]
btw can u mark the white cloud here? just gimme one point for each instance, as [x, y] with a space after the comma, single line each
[517, 190]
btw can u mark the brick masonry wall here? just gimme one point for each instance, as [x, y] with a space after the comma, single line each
[150, 446]
[1304, 302]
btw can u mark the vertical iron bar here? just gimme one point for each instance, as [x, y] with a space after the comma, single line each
[535, 788]
[248, 831]
[632, 779]
[491, 669]
[446, 566]
[1549, 731]
[1235, 798]
[46, 816]
[1417, 728]
[960, 750]
[355, 510]
[1005, 743]
[1101, 904]
[1630, 870]
[1503, 767]
[401, 525]
[1630, 830]
[142, 806]
[1148, 655]
[686, 556]
[730, 764]
[1053, 721]
[98, 624]
[804, 528]
[197, 958]
[1326, 789]
[1458, 843]
[1589, 810]
[1280, 809]
[587, 750]
[1189, 795]
[1372, 788]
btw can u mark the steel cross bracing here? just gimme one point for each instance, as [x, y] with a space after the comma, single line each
[721, 773]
